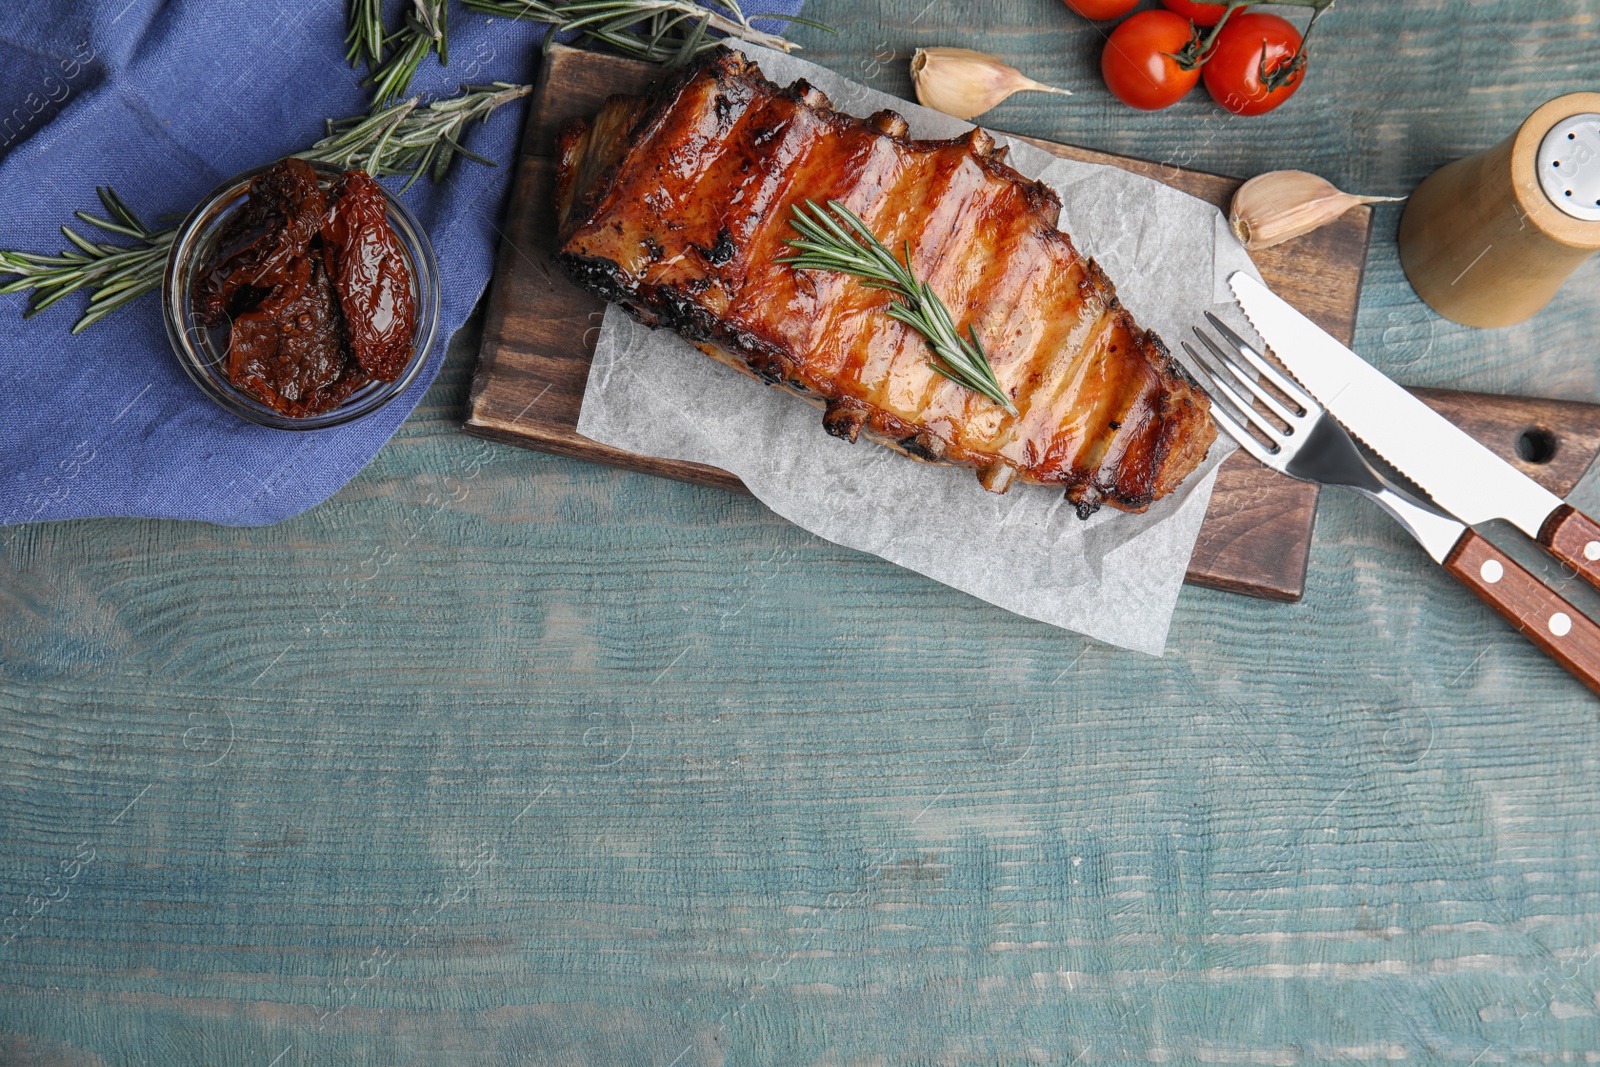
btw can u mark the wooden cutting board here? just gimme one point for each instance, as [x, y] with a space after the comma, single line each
[540, 331]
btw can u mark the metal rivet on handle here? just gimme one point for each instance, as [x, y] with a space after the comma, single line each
[1591, 551]
[1492, 571]
[1561, 624]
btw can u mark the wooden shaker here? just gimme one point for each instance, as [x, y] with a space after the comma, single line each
[1488, 240]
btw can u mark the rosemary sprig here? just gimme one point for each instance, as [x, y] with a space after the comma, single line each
[116, 273]
[851, 248]
[662, 31]
[426, 30]
[403, 139]
[366, 34]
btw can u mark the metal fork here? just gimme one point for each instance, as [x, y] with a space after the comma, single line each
[1294, 435]
[1311, 445]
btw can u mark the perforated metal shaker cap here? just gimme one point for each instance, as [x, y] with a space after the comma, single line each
[1569, 166]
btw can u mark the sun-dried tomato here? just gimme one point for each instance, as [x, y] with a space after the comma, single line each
[369, 270]
[276, 226]
[289, 352]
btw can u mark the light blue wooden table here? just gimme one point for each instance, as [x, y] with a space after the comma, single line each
[502, 758]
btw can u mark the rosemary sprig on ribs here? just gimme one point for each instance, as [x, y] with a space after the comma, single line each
[402, 139]
[841, 242]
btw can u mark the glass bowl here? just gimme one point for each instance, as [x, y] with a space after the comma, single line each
[203, 351]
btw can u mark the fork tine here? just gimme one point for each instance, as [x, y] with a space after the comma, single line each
[1218, 389]
[1241, 405]
[1246, 440]
[1289, 388]
[1232, 426]
[1267, 399]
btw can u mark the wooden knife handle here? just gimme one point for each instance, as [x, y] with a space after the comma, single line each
[1565, 634]
[1574, 538]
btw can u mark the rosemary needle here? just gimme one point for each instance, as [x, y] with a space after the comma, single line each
[841, 242]
[402, 139]
[366, 34]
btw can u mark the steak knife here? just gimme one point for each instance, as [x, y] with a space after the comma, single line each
[1462, 476]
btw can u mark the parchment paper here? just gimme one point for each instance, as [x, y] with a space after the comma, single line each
[1114, 577]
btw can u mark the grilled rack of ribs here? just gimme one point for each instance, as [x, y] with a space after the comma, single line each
[677, 205]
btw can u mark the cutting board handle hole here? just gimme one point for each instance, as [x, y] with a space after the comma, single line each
[1537, 445]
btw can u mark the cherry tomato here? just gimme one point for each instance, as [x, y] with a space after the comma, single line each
[1201, 14]
[1102, 9]
[1137, 62]
[1255, 64]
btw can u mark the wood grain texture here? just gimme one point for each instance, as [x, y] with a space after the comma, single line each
[1533, 609]
[1551, 441]
[1574, 538]
[502, 758]
[540, 331]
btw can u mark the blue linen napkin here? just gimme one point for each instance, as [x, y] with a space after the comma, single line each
[164, 101]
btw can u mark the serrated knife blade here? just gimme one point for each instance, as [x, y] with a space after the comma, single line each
[1461, 475]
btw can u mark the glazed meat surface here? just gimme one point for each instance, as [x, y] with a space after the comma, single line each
[678, 206]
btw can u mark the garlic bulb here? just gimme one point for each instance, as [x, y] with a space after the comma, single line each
[1275, 207]
[964, 83]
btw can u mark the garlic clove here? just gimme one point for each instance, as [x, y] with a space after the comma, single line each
[964, 83]
[1278, 206]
